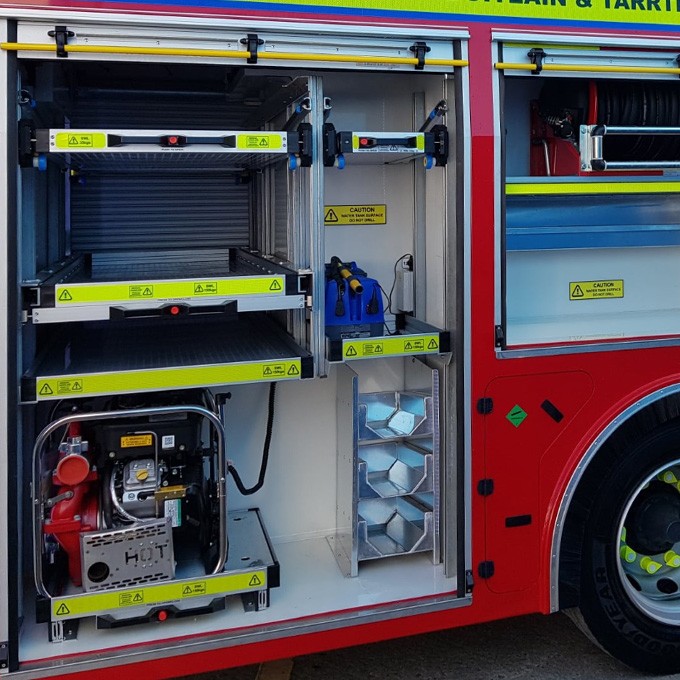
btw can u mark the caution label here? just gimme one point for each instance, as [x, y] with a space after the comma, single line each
[74, 140]
[87, 604]
[205, 288]
[596, 290]
[355, 214]
[265, 142]
[167, 378]
[143, 291]
[68, 386]
[132, 441]
[391, 346]
[86, 294]
[194, 589]
[132, 598]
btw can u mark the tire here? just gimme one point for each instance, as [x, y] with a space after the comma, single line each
[631, 606]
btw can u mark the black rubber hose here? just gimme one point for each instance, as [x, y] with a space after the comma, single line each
[265, 450]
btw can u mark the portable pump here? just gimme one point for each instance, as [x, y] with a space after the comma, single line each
[354, 305]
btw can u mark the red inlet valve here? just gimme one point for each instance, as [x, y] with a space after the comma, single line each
[75, 507]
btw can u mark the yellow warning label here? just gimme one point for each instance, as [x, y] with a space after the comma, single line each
[73, 606]
[80, 140]
[102, 293]
[269, 142]
[131, 599]
[167, 378]
[132, 441]
[394, 346]
[595, 290]
[62, 387]
[355, 214]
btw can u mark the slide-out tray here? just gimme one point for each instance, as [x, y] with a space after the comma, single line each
[141, 356]
[109, 285]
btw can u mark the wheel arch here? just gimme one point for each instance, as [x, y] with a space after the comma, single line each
[634, 422]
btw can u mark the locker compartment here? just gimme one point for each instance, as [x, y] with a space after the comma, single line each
[589, 233]
[179, 393]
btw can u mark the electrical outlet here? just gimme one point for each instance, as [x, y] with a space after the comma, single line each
[404, 285]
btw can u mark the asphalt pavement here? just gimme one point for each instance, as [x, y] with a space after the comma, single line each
[536, 647]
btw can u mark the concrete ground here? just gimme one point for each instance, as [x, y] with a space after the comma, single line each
[531, 647]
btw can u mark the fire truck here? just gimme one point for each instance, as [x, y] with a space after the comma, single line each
[329, 322]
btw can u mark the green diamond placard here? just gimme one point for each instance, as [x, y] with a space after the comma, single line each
[516, 415]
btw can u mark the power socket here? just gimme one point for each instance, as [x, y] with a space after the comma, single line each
[405, 301]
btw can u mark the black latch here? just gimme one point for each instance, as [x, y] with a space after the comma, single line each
[253, 43]
[26, 143]
[61, 34]
[536, 56]
[469, 581]
[485, 487]
[437, 144]
[330, 141]
[486, 569]
[499, 336]
[4, 654]
[420, 49]
[305, 142]
[485, 405]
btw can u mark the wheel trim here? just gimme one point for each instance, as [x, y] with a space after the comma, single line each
[648, 549]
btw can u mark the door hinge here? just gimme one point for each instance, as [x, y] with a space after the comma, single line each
[485, 487]
[486, 569]
[499, 336]
[485, 405]
[4, 654]
[469, 581]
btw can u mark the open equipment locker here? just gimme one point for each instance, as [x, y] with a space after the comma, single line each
[607, 140]
[114, 324]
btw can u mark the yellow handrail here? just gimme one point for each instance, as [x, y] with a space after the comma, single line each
[587, 68]
[230, 54]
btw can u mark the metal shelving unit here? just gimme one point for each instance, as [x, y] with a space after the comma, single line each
[391, 505]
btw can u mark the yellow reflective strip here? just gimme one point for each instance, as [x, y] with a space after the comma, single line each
[420, 142]
[140, 291]
[592, 188]
[58, 387]
[384, 347]
[163, 593]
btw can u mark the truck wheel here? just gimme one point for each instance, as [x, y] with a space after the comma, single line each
[630, 577]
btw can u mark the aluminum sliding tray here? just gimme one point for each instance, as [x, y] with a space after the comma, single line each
[413, 339]
[142, 356]
[112, 285]
[152, 148]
